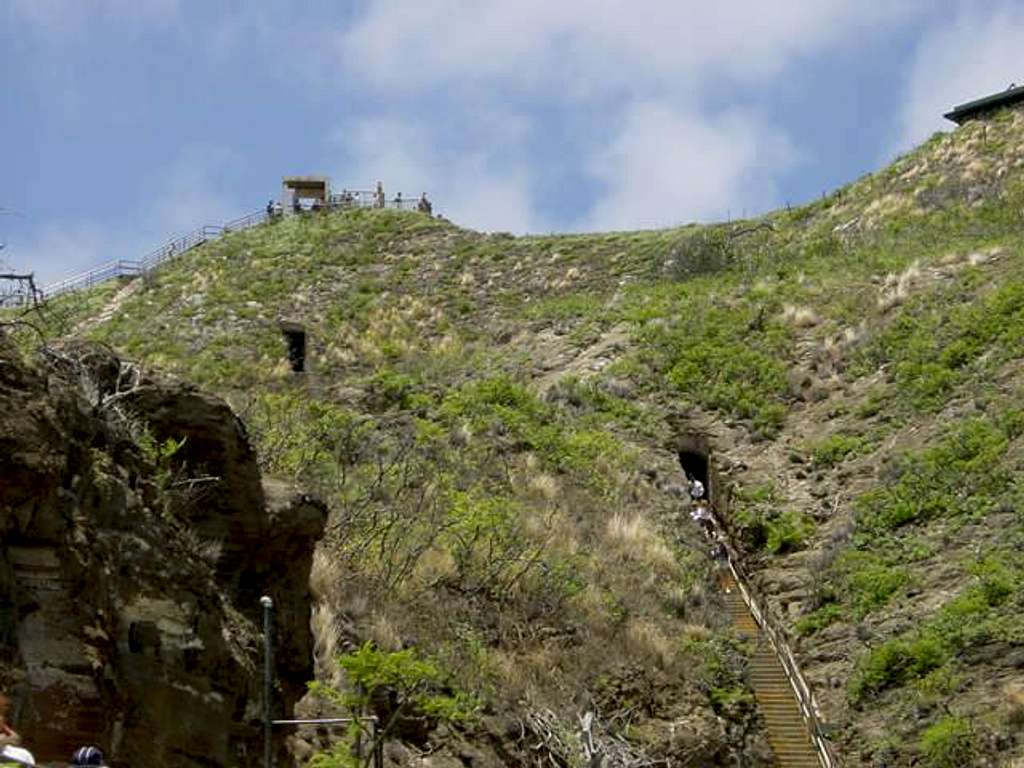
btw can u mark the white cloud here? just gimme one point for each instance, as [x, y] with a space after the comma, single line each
[589, 48]
[480, 186]
[978, 51]
[631, 83]
[60, 250]
[667, 167]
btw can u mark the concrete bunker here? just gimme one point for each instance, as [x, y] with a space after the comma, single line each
[296, 189]
[295, 339]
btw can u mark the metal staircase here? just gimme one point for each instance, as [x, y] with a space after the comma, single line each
[784, 722]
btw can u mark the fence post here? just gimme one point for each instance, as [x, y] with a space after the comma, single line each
[378, 745]
[268, 679]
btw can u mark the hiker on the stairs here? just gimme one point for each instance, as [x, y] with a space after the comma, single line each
[696, 489]
[8, 736]
[701, 514]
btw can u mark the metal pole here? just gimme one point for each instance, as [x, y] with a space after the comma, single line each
[378, 745]
[268, 678]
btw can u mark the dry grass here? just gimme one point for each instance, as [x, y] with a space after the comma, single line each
[897, 288]
[207, 550]
[324, 576]
[800, 317]
[1014, 693]
[544, 486]
[697, 632]
[644, 639]
[434, 565]
[634, 537]
[384, 633]
[326, 642]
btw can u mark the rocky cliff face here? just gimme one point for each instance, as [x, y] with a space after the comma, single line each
[130, 577]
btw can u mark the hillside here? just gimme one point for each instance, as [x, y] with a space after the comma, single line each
[494, 422]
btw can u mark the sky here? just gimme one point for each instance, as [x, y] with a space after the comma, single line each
[124, 122]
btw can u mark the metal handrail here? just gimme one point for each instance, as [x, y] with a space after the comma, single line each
[134, 267]
[805, 697]
[176, 246]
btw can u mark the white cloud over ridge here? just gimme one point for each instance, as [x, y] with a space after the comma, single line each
[651, 69]
[666, 167]
[482, 187]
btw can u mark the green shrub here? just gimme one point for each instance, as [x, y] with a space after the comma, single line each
[943, 337]
[897, 662]
[949, 743]
[818, 619]
[961, 475]
[415, 686]
[707, 251]
[833, 450]
[870, 582]
[505, 407]
[391, 389]
[787, 532]
[729, 359]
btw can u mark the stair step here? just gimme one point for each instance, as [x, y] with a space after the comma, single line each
[786, 730]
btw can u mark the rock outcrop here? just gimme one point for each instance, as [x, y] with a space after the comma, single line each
[130, 575]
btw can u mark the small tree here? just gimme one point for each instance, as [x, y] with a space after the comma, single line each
[415, 685]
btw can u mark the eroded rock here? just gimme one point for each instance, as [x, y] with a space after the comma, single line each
[129, 596]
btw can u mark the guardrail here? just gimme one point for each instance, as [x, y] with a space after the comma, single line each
[135, 267]
[118, 268]
[805, 698]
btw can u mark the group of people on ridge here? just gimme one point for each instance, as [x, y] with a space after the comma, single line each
[13, 755]
[347, 199]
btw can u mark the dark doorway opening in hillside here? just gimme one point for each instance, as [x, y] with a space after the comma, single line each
[295, 337]
[693, 458]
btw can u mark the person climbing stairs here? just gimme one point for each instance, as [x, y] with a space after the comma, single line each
[785, 726]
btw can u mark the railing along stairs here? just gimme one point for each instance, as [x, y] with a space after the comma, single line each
[777, 638]
[128, 268]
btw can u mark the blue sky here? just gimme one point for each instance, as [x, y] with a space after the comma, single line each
[126, 121]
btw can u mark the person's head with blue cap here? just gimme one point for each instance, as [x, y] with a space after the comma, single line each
[88, 757]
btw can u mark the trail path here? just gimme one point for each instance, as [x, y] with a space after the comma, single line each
[112, 308]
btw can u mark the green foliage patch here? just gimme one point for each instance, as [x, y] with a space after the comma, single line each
[962, 475]
[973, 617]
[949, 743]
[941, 338]
[837, 448]
[502, 406]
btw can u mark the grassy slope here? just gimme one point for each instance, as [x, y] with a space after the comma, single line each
[855, 361]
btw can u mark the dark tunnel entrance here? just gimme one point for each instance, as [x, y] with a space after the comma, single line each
[693, 452]
[695, 465]
[295, 338]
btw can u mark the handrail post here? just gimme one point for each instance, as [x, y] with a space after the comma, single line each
[378, 744]
[268, 679]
